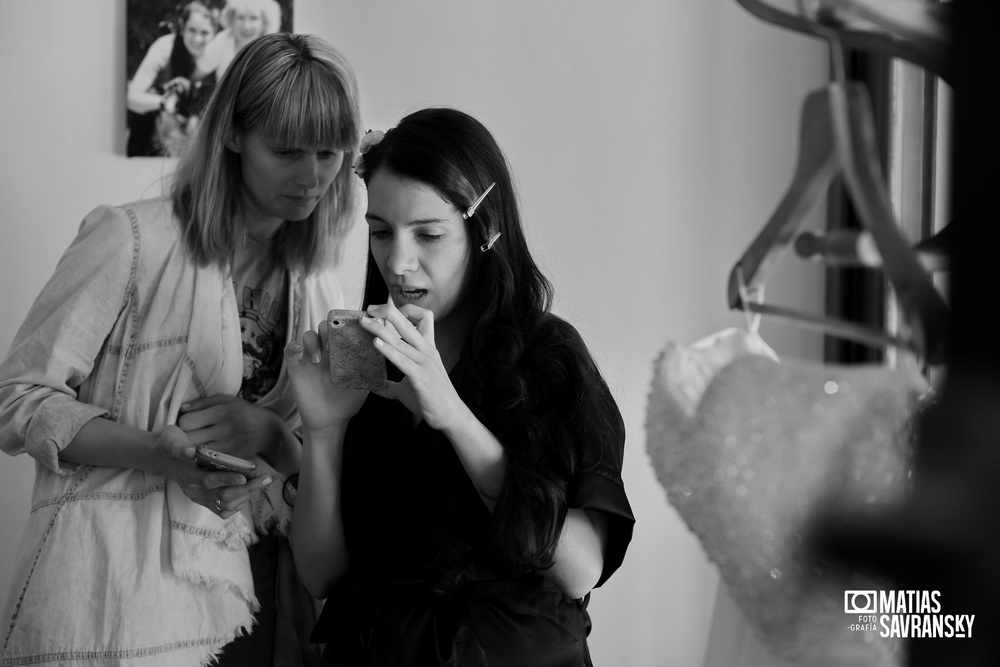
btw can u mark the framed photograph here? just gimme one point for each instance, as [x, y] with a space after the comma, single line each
[176, 52]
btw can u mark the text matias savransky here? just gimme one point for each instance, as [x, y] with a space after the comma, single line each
[905, 614]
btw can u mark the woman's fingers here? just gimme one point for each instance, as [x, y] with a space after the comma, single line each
[413, 347]
[412, 324]
[257, 484]
[293, 349]
[219, 480]
[401, 355]
[312, 347]
[230, 495]
[232, 491]
[309, 348]
[324, 333]
[422, 319]
[203, 436]
[199, 414]
[405, 355]
[199, 404]
[175, 443]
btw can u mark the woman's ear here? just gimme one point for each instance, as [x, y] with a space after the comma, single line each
[234, 141]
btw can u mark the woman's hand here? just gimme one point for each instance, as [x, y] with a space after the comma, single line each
[321, 405]
[231, 425]
[224, 493]
[177, 85]
[409, 344]
[428, 392]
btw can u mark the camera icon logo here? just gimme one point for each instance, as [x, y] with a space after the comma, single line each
[860, 602]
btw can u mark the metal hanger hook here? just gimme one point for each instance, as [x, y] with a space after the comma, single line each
[749, 295]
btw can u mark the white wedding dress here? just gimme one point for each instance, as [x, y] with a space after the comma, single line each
[751, 451]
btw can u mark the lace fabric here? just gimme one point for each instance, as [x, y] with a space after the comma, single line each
[751, 451]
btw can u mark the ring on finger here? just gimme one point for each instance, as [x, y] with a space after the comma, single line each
[218, 504]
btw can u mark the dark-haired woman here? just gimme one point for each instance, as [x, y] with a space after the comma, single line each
[463, 514]
[169, 88]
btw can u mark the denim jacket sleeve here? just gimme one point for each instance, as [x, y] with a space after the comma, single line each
[56, 347]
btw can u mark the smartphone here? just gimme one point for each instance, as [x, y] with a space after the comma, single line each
[213, 460]
[354, 361]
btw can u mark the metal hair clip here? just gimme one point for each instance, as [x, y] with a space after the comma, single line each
[469, 212]
[489, 244]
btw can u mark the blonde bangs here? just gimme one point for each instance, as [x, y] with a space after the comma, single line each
[311, 108]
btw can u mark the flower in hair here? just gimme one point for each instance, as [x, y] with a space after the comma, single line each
[367, 142]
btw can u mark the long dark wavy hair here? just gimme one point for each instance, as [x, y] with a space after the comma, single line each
[456, 155]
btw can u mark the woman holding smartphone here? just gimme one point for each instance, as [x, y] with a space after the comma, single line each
[462, 514]
[162, 329]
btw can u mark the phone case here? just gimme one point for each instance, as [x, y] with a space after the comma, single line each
[354, 361]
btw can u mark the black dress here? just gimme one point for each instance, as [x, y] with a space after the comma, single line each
[413, 519]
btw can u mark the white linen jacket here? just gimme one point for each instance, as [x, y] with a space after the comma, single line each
[117, 566]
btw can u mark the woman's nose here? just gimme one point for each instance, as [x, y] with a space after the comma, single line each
[307, 173]
[402, 259]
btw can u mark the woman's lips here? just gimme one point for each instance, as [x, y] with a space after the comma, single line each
[410, 293]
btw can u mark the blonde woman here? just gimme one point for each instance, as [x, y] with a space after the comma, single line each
[163, 329]
[242, 21]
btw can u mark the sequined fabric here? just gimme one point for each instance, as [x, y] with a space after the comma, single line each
[750, 451]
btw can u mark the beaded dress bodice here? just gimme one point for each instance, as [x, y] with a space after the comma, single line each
[752, 451]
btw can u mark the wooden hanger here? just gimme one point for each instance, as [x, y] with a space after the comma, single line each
[856, 248]
[924, 23]
[914, 31]
[838, 136]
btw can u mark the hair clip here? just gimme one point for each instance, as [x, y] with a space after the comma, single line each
[489, 244]
[469, 212]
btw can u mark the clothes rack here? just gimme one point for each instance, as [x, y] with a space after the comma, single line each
[944, 536]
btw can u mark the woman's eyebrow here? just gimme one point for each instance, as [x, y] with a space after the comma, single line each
[412, 223]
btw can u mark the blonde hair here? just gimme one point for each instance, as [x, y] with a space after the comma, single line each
[294, 90]
[269, 10]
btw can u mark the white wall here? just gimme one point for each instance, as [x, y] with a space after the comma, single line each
[650, 141]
